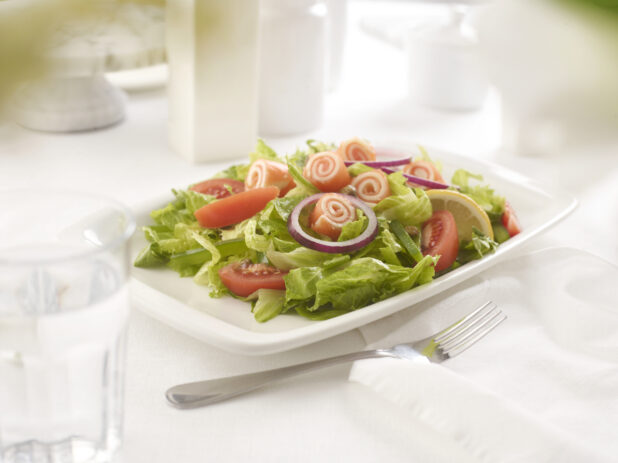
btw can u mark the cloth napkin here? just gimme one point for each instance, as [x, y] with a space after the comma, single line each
[543, 386]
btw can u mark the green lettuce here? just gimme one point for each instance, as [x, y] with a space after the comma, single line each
[303, 186]
[260, 231]
[361, 282]
[150, 256]
[476, 248]
[299, 157]
[484, 195]
[263, 151]
[269, 304]
[236, 172]
[425, 157]
[299, 257]
[154, 233]
[406, 205]
[359, 168]
[351, 230]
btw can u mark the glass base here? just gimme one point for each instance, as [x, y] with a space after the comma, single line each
[71, 450]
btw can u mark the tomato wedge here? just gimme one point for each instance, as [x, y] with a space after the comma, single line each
[236, 208]
[510, 220]
[439, 238]
[244, 278]
[219, 187]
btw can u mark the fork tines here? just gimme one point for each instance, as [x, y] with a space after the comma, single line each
[467, 331]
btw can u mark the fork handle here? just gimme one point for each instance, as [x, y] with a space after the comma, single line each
[202, 393]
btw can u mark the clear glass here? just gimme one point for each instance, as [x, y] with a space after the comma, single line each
[63, 317]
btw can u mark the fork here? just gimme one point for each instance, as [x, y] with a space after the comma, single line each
[438, 347]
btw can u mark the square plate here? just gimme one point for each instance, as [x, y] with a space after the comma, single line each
[228, 323]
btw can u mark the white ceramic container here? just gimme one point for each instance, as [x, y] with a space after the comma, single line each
[212, 53]
[293, 59]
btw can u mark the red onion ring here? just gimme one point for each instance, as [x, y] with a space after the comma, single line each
[332, 247]
[420, 181]
[380, 164]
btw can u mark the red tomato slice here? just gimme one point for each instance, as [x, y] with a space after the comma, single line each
[439, 238]
[236, 208]
[244, 278]
[510, 220]
[217, 187]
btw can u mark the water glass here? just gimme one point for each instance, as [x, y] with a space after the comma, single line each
[63, 319]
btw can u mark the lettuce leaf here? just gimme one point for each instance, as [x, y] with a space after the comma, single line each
[236, 172]
[484, 195]
[269, 304]
[149, 257]
[299, 157]
[351, 230]
[359, 168]
[406, 205]
[299, 257]
[316, 146]
[476, 248]
[263, 151]
[303, 186]
[425, 157]
[361, 282]
[367, 280]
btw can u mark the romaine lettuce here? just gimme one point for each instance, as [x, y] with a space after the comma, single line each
[407, 205]
[484, 195]
[476, 248]
[358, 283]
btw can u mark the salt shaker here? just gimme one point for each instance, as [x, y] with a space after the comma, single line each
[292, 73]
[444, 65]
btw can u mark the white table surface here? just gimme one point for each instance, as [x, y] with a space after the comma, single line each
[320, 417]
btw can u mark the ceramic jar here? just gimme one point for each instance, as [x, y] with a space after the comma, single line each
[292, 73]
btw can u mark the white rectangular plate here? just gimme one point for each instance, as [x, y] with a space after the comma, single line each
[229, 324]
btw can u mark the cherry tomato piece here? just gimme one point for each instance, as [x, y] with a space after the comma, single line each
[219, 187]
[510, 220]
[439, 238]
[244, 278]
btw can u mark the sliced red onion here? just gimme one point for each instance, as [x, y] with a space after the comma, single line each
[380, 164]
[333, 247]
[420, 181]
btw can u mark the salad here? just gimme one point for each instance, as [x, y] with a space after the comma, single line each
[327, 229]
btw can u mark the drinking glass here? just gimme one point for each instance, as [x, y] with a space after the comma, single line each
[63, 319]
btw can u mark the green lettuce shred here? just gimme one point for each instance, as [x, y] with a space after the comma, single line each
[484, 195]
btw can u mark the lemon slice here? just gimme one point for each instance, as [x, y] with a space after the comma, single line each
[467, 212]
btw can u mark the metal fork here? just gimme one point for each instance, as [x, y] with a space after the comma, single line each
[443, 345]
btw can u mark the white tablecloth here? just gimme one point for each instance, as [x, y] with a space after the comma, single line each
[321, 417]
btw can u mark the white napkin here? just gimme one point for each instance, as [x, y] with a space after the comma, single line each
[541, 387]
